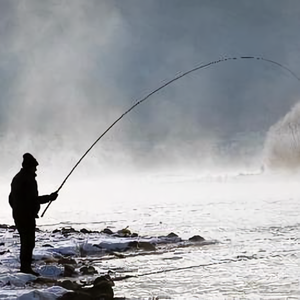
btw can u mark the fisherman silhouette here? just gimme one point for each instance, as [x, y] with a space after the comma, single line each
[25, 203]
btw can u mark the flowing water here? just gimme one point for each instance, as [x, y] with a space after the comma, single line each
[253, 218]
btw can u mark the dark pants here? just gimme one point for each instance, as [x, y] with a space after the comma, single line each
[26, 228]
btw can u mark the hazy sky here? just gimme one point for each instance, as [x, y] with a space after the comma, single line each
[69, 68]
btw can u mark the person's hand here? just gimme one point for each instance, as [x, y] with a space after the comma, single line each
[53, 196]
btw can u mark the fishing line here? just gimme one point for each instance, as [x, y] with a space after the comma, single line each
[225, 261]
[177, 77]
[221, 262]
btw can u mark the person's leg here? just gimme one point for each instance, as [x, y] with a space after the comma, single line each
[27, 236]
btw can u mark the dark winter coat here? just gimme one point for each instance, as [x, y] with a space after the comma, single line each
[24, 197]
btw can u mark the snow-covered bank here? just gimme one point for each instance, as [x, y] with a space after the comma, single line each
[69, 254]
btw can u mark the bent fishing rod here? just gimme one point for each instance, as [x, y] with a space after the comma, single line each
[179, 76]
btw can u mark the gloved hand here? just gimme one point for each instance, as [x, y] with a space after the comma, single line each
[53, 196]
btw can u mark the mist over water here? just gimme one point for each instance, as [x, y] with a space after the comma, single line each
[282, 143]
[68, 69]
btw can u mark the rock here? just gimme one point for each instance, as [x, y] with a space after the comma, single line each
[85, 231]
[196, 238]
[45, 280]
[172, 235]
[117, 254]
[88, 270]
[125, 232]
[47, 245]
[65, 231]
[69, 285]
[102, 289]
[68, 230]
[77, 295]
[66, 260]
[142, 245]
[50, 260]
[107, 231]
[69, 270]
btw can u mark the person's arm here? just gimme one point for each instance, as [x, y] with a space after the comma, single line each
[47, 198]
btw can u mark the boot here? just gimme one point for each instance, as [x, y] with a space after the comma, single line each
[29, 271]
[26, 268]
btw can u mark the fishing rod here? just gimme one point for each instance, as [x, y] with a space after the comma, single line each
[202, 66]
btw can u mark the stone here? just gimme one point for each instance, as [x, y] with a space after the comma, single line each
[125, 232]
[88, 270]
[69, 285]
[67, 260]
[196, 238]
[172, 235]
[69, 270]
[47, 245]
[142, 245]
[101, 289]
[107, 231]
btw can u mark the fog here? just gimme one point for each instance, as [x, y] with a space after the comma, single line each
[69, 69]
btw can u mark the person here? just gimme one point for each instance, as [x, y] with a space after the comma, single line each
[25, 203]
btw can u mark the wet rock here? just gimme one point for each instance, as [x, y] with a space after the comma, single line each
[45, 281]
[86, 231]
[69, 285]
[77, 295]
[196, 238]
[125, 232]
[142, 245]
[3, 226]
[246, 257]
[50, 260]
[3, 252]
[88, 270]
[47, 245]
[66, 231]
[172, 235]
[134, 234]
[107, 231]
[69, 270]
[2, 244]
[101, 289]
[117, 254]
[67, 260]
[97, 246]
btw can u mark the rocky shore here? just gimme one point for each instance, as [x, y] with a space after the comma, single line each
[68, 260]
